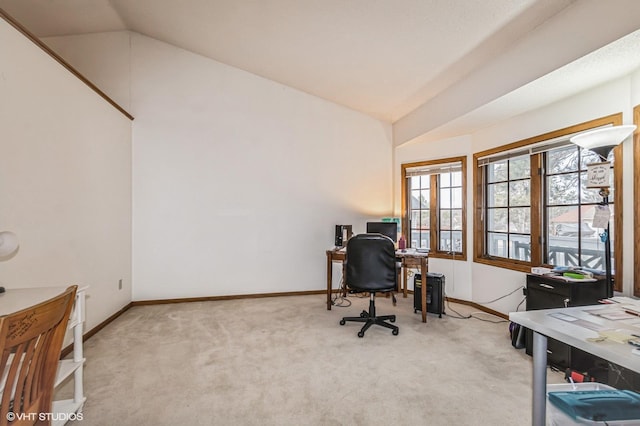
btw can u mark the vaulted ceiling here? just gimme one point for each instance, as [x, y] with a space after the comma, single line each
[402, 61]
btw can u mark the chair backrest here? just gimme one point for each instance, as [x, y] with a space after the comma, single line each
[30, 346]
[371, 263]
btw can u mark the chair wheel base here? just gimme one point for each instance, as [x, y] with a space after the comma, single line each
[369, 321]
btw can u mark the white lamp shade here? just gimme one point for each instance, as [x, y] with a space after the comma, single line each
[8, 243]
[602, 141]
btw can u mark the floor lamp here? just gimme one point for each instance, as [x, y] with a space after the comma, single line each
[602, 141]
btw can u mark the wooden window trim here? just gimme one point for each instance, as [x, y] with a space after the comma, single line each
[433, 234]
[536, 206]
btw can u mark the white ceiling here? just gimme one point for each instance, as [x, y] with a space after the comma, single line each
[382, 57]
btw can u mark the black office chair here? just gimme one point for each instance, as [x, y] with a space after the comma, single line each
[371, 267]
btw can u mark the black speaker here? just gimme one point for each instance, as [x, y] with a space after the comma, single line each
[435, 293]
[343, 233]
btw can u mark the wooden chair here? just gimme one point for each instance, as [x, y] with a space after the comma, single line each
[30, 346]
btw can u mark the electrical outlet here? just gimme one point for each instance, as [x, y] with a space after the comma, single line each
[120, 284]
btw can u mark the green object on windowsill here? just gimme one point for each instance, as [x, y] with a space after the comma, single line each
[574, 275]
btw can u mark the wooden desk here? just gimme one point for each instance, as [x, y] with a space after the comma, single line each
[408, 259]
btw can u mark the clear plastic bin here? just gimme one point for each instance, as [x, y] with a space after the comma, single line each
[556, 417]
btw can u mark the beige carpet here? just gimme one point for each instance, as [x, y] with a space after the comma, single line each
[287, 361]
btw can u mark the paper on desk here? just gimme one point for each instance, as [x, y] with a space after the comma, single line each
[620, 336]
[577, 321]
[625, 300]
[614, 314]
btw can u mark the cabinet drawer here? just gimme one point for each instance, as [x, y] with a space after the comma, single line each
[558, 287]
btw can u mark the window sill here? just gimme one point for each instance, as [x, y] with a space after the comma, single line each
[514, 265]
[446, 255]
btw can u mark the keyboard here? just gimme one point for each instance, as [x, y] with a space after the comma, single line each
[598, 405]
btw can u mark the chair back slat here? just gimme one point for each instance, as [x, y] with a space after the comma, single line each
[30, 346]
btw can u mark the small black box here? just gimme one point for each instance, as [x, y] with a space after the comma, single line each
[435, 293]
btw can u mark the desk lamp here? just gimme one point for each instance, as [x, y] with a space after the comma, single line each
[602, 141]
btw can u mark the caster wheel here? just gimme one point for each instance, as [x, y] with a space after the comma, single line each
[342, 322]
[363, 314]
[360, 334]
[392, 319]
[394, 332]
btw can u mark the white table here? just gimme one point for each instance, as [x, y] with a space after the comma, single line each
[548, 323]
[13, 300]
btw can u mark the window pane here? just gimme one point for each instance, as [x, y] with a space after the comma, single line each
[420, 239]
[456, 198]
[519, 168]
[497, 195]
[497, 245]
[445, 180]
[590, 195]
[564, 221]
[519, 193]
[415, 219]
[569, 226]
[562, 159]
[456, 179]
[425, 219]
[415, 199]
[562, 189]
[456, 240]
[445, 241]
[415, 182]
[497, 220]
[588, 157]
[520, 220]
[456, 219]
[592, 251]
[445, 198]
[520, 247]
[445, 219]
[497, 172]
[425, 198]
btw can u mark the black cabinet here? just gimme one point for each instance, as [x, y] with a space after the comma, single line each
[546, 292]
[435, 293]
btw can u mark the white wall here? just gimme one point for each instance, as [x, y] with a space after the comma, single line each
[65, 180]
[104, 58]
[238, 181]
[487, 282]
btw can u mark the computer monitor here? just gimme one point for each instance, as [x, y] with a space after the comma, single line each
[390, 229]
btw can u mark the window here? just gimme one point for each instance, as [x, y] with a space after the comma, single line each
[533, 207]
[508, 208]
[434, 199]
[570, 207]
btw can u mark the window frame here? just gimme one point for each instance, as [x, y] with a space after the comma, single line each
[434, 208]
[537, 202]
